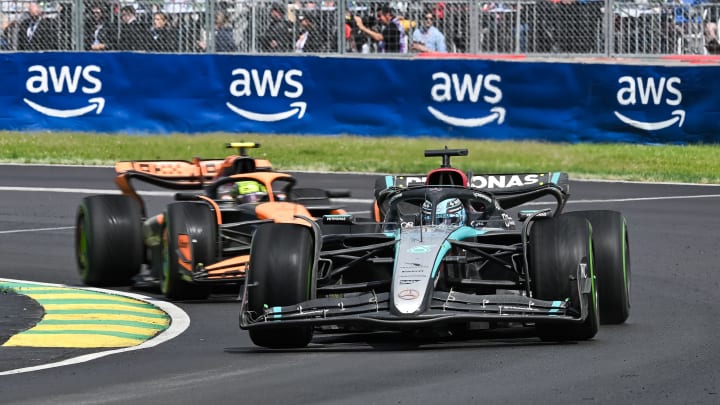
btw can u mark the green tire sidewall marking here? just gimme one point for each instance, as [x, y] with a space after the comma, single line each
[592, 276]
[166, 261]
[626, 282]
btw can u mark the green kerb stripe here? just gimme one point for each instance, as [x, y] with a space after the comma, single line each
[89, 332]
[106, 311]
[98, 300]
[41, 291]
[38, 287]
[146, 325]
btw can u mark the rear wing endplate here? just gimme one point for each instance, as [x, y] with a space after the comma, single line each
[494, 183]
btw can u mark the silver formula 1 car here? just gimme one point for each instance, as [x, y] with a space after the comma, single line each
[442, 251]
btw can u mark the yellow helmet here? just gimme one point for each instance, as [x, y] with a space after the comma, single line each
[249, 191]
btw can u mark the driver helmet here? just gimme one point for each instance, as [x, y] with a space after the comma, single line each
[249, 191]
[447, 212]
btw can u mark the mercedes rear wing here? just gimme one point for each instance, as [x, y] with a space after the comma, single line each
[494, 183]
[509, 189]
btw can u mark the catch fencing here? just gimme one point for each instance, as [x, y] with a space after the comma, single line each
[532, 27]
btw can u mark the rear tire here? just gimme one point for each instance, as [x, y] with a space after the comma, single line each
[557, 247]
[612, 263]
[378, 210]
[197, 221]
[281, 260]
[108, 240]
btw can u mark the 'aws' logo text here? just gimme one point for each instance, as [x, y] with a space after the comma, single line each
[481, 88]
[648, 92]
[65, 80]
[267, 83]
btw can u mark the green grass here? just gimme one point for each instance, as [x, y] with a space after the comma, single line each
[671, 163]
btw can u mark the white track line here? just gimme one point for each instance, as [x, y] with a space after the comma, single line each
[179, 322]
[82, 190]
[341, 200]
[148, 193]
[59, 228]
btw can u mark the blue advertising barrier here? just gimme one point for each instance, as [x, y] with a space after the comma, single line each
[467, 98]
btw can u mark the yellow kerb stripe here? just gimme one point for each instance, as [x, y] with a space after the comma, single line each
[106, 297]
[71, 341]
[90, 307]
[149, 332]
[109, 317]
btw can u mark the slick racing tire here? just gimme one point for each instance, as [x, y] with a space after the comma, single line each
[557, 247]
[108, 240]
[281, 261]
[612, 263]
[189, 238]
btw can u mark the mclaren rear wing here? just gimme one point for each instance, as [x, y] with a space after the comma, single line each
[182, 174]
[185, 175]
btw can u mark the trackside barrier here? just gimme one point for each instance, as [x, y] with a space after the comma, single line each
[518, 99]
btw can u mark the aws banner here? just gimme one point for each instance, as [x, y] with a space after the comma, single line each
[481, 99]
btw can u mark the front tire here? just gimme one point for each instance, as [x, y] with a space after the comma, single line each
[281, 261]
[189, 238]
[108, 240]
[557, 247]
[612, 263]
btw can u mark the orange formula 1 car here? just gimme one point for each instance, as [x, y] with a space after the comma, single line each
[203, 237]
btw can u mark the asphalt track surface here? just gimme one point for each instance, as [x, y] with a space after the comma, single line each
[666, 353]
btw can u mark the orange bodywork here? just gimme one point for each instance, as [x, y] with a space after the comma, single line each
[184, 252]
[182, 169]
[185, 175]
[229, 269]
[283, 212]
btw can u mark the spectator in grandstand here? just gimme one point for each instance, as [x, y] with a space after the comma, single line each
[133, 34]
[277, 36]
[428, 38]
[711, 33]
[224, 36]
[311, 38]
[35, 32]
[99, 35]
[9, 28]
[163, 37]
[392, 38]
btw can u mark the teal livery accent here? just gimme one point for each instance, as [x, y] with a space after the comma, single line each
[441, 254]
[389, 181]
[555, 177]
[555, 306]
[458, 234]
[276, 312]
[464, 233]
